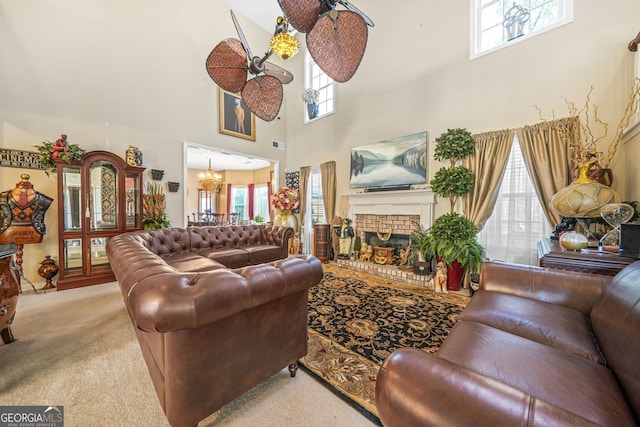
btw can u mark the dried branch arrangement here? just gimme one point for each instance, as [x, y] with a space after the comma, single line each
[593, 131]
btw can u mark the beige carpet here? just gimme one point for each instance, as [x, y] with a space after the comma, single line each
[76, 348]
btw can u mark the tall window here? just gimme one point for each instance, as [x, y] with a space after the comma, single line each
[517, 224]
[316, 204]
[314, 213]
[495, 23]
[239, 201]
[315, 78]
[261, 201]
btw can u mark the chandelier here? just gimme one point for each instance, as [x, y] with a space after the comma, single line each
[210, 181]
[282, 43]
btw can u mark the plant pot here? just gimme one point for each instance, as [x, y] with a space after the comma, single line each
[421, 268]
[455, 273]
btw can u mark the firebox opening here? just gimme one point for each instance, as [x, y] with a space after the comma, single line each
[396, 241]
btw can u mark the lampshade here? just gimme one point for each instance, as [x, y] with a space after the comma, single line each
[210, 181]
[284, 45]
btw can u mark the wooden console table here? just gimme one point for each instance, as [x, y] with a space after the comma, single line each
[552, 255]
[8, 292]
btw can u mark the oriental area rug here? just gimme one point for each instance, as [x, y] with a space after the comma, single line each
[356, 320]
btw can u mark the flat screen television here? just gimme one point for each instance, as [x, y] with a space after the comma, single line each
[394, 162]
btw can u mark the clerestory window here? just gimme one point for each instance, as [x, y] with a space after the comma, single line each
[317, 80]
[497, 23]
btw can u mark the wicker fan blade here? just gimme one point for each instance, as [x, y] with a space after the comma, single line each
[352, 8]
[227, 65]
[271, 69]
[302, 14]
[263, 96]
[338, 49]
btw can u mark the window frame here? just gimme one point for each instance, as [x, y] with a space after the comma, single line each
[313, 79]
[565, 16]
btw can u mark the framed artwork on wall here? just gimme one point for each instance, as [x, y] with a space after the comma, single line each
[235, 118]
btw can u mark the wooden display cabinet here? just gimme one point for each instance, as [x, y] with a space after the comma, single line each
[98, 198]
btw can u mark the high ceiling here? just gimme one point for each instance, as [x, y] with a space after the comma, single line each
[264, 14]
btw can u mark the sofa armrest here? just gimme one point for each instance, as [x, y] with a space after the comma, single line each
[568, 288]
[416, 388]
[175, 301]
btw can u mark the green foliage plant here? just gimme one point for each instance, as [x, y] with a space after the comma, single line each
[453, 181]
[45, 152]
[452, 237]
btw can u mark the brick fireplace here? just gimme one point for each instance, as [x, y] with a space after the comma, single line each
[394, 212]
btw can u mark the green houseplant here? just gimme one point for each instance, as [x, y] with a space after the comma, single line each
[48, 151]
[452, 237]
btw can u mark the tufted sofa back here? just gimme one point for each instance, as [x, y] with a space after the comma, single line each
[208, 238]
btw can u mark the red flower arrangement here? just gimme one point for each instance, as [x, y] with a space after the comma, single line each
[285, 198]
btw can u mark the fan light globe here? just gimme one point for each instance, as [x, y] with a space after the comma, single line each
[284, 45]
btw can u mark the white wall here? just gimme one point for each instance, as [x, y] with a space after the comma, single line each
[416, 75]
[112, 74]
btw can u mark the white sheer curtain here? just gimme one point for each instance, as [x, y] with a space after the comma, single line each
[518, 222]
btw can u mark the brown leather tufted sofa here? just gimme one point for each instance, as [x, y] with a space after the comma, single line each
[213, 312]
[534, 347]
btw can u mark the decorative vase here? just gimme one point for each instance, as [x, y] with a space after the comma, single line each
[583, 198]
[312, 110]
[285, 218]
[48, 269]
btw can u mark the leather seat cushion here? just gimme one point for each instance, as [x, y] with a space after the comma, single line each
[546, 373]
[230, 257]
[550, 324]
[263, 253]
[189, 262]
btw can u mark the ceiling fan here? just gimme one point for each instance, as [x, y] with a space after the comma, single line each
[336, 39]
[230, 63]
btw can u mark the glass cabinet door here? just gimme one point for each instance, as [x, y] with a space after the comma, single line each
[102, 210]
[71, 191]
[132, 188]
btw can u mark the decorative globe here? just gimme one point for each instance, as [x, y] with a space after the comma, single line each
[574, 241]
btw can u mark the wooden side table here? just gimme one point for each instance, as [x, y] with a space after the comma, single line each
[8, 292]
[552, 255]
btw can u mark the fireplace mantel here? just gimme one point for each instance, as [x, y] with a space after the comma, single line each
[405, 202]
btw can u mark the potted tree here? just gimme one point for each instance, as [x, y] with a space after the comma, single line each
[452, 237]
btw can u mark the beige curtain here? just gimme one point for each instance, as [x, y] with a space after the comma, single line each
[303, 180]
[328, 179]
[487, 163]
[548, 157]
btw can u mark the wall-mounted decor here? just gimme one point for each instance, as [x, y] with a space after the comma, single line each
[157, 174]
[235, 118]
[173, 186]
[133, 156]
[392, 162]
[19, 159]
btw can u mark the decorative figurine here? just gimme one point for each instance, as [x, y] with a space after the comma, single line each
[439, 281]
[345, 238]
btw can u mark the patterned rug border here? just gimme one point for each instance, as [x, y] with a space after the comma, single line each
[367, 410]
[353, 364]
